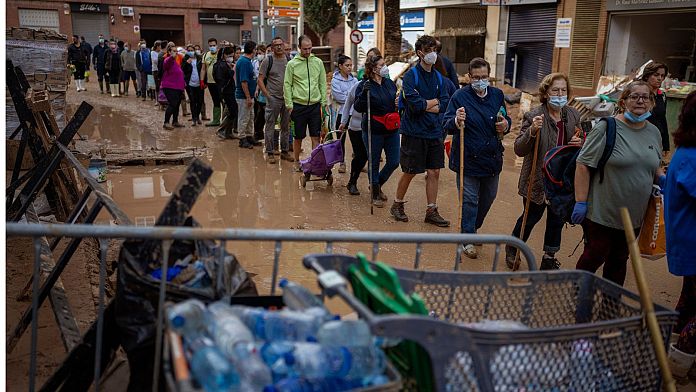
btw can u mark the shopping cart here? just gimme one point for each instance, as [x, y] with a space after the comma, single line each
[572, 330]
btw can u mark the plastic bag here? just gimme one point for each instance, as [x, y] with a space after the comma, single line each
[651, 241]
[161, 98]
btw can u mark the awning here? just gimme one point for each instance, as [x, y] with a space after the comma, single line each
[460, 32]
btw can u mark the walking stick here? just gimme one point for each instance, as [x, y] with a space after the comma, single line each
[532, 176]
[646, 302]
[366, 88]
[461, 174]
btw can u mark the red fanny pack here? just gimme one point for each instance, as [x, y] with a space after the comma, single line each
[391, 121]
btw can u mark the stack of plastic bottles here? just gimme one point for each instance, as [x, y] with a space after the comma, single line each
[300, 348]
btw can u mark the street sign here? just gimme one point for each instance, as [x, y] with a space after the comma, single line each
[356, 36]
[283, 3]
[280, 12]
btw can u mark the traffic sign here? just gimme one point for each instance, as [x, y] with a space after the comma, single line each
[283, 3]
[356, 36]
[280, 12]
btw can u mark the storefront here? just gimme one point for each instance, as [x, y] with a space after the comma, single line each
[222, 26]
[660, 30]
[462, 32]
[89, 20]
[39, 19]
[530, 41]
[162, 27]
[412, 26]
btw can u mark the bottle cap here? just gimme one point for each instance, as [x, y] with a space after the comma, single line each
[312, 339]
[178, 321]
[283, 282]
[289, 359]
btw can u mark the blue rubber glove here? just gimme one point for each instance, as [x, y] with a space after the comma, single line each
[662, 182]
[579, 212]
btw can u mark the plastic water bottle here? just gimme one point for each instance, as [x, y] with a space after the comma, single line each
[255, 375]
[312, 360]
[210, 367]
[347, 333]
[297, 297]
[226, 328]
[329, 384]
[582, 366]
[274, 356]
[282, 325]
[187, 318]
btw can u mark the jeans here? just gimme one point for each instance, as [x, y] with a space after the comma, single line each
[604, 245]
[391, 144]
[554, 227]
[245, 122]
[276, 107]
[195, 95]
[173, 102]
[259, 120]
[143, 83]
[360, 154]
[215, 94]
[479, 194]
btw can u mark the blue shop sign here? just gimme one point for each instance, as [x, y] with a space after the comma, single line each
[408, 20]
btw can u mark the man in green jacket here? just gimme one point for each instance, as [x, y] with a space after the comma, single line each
[305, 95]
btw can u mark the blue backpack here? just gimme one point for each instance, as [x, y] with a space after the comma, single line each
[402, 96]
[559, 172]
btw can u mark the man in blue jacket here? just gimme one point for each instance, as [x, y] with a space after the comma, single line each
[480, 109]
[422, 147]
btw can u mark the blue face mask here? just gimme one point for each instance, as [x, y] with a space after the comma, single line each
[190, 54]
[636, 119]
[480, 85]
[558, 102]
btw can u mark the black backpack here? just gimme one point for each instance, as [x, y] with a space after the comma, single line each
[559, 172]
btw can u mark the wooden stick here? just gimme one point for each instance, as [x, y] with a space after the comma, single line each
[646, 303]
[525, 214]
[461, 174]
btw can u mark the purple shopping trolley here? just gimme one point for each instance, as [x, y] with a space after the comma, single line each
[321, 160]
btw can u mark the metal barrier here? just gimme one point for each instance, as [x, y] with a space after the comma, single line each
[166, 235]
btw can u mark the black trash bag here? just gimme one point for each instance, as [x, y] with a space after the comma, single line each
[137, 295]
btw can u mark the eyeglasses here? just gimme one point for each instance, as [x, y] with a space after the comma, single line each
[635, 97]
[478, 78]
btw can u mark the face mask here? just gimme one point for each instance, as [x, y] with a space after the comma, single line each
[480, 85]
[635, 118]
[230, 60]
[189, 53]
[126, 48]
[143, 47]
[384, 72]
[558, 102]
[101, 40]
[259, 57]
[430, 58]
[213, 49]
[198, 53]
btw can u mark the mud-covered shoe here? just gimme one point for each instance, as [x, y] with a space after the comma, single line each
[377, 202]
[434, 218]
[341, 167]
[271, 159]
[297, 168]
[470, 251]
[382, 195]
[549, 263]
[353, 189]
[286, 157]
[397, 211]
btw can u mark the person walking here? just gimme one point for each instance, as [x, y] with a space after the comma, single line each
[112, 65]
[143, 62]
[384, 130]
[553, 124]
[209, 59]
[480, 109]
[351, 121]
[680, 219]
[305, 95]
[271, 80]
[89, 50]
[128, 67]
[632, 168]
[154, 61]
[422, 145]
[341, 82]
[192, 67]
[654, 74]
[259, 99]
[99, 63]
[78, 57]
[246, 86]
[173, 85]
[224, 78]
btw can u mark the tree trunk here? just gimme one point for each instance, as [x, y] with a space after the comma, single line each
[321, 39]
[392, 30]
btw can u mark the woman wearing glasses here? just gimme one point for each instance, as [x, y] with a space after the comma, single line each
[633, 167]
[554, 124]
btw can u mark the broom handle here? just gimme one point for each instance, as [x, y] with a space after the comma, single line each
[461, 174]
[530, 181]
[646, 302]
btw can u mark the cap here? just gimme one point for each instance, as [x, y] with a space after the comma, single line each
[283, 282]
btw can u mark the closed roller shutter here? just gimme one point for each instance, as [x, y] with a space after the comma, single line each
[90, 25]
[39, 19]
[531, 33]
[583, 49]
[221, 32]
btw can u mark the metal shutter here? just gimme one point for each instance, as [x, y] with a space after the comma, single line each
[221, 32]
[531, 34]
[466, 16]
[90, 25]
[583, 49]
[534, 61]
[39, 19]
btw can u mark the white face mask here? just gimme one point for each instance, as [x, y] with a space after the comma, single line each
[260, 57]
[430, 58]
[384, 71]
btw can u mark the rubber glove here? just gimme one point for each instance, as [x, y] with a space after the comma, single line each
[579, 212]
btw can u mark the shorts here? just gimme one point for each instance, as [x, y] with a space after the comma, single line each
[128, 75]
[419, 155]
[305, 116]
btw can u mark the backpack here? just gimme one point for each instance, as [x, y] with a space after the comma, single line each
[559, 172]
[402, 96]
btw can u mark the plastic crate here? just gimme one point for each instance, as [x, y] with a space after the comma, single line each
[583, 333]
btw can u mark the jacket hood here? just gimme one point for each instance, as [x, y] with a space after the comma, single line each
[299, 56]
[337, 76]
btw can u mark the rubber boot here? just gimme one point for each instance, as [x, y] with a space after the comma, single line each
[101, 87]
[125, 88]
[680, 363]
[114, 90]
[215, 122]
[108, 85]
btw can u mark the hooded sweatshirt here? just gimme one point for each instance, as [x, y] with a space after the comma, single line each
[128, 60]
[305, 81]
[349, 111]
[340, 87]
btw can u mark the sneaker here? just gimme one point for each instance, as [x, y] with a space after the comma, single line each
[341, 167]
[297, 168]
[397, 211]
[510, 260]
[244, 143]
[470, 251]
[433, 217]
[353, 189]
[382, 195]
[379, 203]
[177, 125]
[549, 263]
[167, 126]
[287, 157]
[271, 159]
[276, 152]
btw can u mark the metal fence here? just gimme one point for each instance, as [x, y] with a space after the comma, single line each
[166, 235]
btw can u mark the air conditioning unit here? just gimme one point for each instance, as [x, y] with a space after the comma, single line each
[127, 11]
